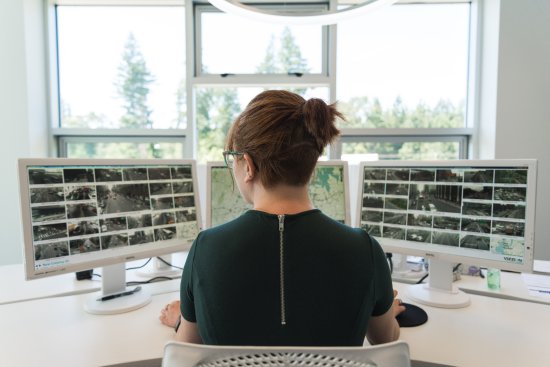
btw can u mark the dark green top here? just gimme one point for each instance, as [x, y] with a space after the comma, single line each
[334, 278]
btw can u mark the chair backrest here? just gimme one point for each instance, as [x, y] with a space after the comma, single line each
[395, 354]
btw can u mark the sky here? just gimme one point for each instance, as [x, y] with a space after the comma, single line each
[418, 52]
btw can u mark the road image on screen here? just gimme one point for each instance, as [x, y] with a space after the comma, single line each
[327, 191]
[472, 212]
[81, 214]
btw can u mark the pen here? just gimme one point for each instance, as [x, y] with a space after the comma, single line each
[122, 294]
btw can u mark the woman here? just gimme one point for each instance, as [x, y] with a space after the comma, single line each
[283, 273]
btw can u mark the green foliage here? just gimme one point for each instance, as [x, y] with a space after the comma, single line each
[125, 150]
[362, 112]
[216, 110]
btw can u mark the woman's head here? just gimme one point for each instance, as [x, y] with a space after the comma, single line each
[284, 135]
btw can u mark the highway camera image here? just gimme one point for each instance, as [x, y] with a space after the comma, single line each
[81, 209]
[117, 198]
[45, 176]
[478, 209]
[47, 195]
[48, 213]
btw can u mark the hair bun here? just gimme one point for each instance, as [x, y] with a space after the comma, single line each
[319, 120]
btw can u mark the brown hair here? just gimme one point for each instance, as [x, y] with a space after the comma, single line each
[284, 135]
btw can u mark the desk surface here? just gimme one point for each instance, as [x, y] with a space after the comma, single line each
[57, 331]
[14, 288]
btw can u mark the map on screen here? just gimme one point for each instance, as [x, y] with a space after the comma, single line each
[226, 202]
[327, 191]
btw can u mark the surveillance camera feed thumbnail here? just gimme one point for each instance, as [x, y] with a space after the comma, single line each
[90, 210]
[480, 209]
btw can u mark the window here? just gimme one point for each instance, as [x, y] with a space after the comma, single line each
[405, 68]
[217, 107]
[237, 59]
[154, 78]
[231, 45]
[114, 74]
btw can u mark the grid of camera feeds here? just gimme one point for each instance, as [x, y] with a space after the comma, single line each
[78, 210]
[475, 208]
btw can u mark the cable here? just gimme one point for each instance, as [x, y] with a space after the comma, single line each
[422, 279]
[141, 266]
[152, 280]
[455, 268]
[167, 263]
[389, 256]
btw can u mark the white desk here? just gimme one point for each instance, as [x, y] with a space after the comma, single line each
[490, 332]
[14, 288]
[57, 332]
[512, 286]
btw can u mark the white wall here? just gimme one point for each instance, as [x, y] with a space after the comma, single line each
[515, 96]
[23, 123]
[523, 99]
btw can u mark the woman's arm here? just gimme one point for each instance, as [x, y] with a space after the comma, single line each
[188, 332]
[384, 328]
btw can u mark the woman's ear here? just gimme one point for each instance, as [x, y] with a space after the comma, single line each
[250, 168]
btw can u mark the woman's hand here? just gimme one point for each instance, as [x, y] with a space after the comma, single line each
[397, 304]
[170, 314]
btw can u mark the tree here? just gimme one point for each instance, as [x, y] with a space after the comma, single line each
[133, 81]
[366, 112]
[216, 110]
[285, 59]
[290, 57]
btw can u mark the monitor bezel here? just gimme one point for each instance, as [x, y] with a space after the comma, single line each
[404, 247]
[26, 217]
[219, 164]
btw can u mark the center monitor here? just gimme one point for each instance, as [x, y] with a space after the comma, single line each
[328, 191]
[465, 211]
[79, 214]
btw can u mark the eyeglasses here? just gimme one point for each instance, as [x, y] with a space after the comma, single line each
[229, 157]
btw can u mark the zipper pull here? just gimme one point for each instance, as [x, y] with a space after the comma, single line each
[281, 222]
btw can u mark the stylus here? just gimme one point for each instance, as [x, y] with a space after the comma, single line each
[122, 294]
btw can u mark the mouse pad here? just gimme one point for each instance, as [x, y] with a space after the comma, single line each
[412, 316]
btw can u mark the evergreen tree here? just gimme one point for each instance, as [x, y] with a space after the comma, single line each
[290, 57]
[133, 81]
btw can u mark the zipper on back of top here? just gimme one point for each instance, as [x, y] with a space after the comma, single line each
[281, 267]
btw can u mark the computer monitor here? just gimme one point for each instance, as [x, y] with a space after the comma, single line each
[475, 212]
[80, 214]
[328, 191]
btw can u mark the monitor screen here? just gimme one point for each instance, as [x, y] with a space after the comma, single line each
[472, 212]
[328, 191]
[82, 214]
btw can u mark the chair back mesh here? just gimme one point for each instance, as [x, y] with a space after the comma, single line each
[280, 359]
[395, 354]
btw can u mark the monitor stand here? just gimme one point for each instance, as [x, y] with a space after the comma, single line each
[440, 291]
[159, 268]
[114, 296]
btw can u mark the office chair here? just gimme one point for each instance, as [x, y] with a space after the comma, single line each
[395, 354]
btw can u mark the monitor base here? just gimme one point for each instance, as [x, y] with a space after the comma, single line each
[118, 304]
[435, 297]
